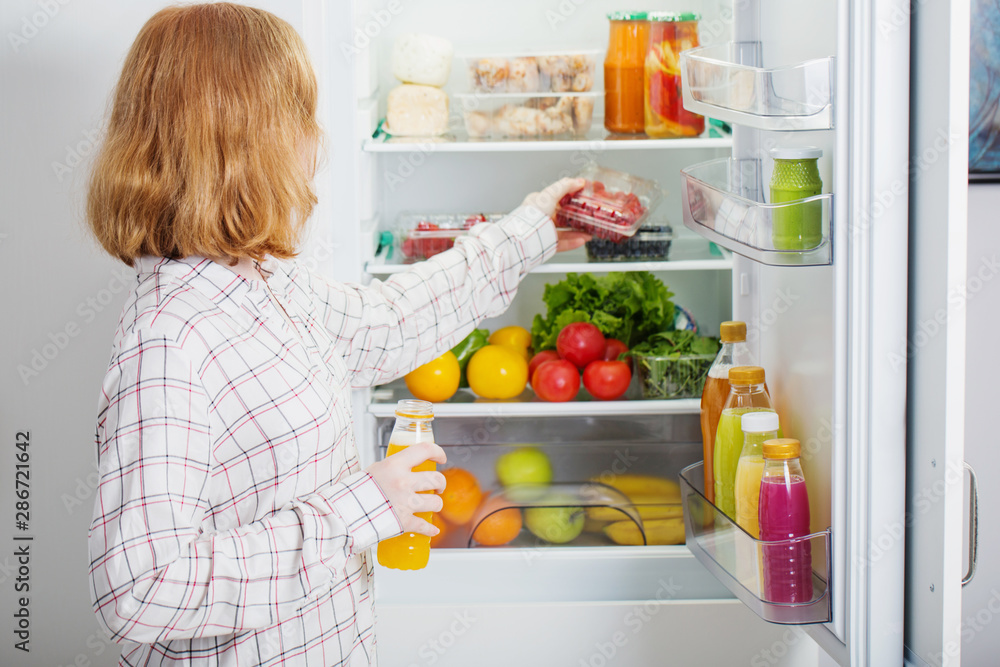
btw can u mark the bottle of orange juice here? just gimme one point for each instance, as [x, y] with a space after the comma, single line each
[409, 551]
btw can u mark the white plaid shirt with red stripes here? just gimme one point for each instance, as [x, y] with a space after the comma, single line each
[232, 522]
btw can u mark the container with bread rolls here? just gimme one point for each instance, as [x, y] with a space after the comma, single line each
[521, 115]
[540, 72]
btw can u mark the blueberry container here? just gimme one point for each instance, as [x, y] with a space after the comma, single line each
[650, 243]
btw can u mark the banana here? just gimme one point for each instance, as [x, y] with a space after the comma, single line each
[648, 507]
[633, 484]
[658, 531]
[593, 525]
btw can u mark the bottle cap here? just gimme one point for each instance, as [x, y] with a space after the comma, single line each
[744, 375]
[798, 153]
[761, 421]
[414, 409]
[781, 448]
[674, 16]
[733, 332]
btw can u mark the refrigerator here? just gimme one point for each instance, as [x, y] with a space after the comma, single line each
[881, 87]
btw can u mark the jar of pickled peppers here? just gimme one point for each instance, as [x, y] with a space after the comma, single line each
[665, 115]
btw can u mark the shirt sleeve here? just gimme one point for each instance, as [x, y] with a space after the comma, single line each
[388, 328]
[158, 571]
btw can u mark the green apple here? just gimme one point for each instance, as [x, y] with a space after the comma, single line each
[555, 524]
[524, 465]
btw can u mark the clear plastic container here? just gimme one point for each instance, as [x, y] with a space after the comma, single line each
[522, 115]
[420, 236]
[612, 205]
[650, 243]
[539, 72]
[663, 377]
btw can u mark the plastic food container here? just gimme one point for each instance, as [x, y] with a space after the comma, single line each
[611, 206]
[552, 71]
[421, 236]
[671, 376]
[537, 115]
[651, 242]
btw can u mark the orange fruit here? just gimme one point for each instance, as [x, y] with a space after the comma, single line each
[441, 525]
[499, 527]
[435, 381]
[461, 496]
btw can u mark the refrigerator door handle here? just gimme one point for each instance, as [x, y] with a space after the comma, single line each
[973, 524]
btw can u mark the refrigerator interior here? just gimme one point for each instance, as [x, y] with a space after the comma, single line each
[790, 311]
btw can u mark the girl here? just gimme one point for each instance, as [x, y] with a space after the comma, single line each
[232, 524]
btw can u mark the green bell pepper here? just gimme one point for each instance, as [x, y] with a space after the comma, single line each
[468, 347]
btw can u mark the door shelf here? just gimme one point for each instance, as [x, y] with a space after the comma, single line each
[738, 560]
[723, 201]
[797, 97]
[467, 404]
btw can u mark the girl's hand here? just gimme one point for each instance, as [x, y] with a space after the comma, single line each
[394, 475]
[547, 200]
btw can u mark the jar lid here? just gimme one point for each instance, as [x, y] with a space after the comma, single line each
[782, 448]
[799, 153]
[628, 16]
[760, 421]
[674, 16]
[744, 375]
[733, 332]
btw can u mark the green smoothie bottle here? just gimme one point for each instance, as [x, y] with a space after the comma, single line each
[796, 176]
[746, 394]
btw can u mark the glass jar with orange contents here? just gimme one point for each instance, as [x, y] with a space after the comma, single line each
[623, 72]
[665, 115]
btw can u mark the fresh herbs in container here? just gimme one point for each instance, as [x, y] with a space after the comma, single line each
[673, 364]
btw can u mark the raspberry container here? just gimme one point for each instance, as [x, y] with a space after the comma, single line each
[540, 72]
[612, 205]
[650, 243]
[420, 236]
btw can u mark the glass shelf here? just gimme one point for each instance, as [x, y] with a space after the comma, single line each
[738, 560]
[723, 202]
[597, 139]
[798, 97]
[466, 404]
[686, 254]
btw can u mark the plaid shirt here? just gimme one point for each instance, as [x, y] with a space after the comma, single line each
[232, 522]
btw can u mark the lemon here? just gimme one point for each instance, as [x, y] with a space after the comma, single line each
[497, 371]
[436, 380]
[513, 335]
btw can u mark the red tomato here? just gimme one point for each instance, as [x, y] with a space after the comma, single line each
[607, 380]
[614, 348]
[539, 359]
[580, 343]
[556, 381]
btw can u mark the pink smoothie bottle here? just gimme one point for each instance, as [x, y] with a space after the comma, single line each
[784, 514]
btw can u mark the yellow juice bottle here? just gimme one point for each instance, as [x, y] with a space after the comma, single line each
[757, 427]
[409, 551]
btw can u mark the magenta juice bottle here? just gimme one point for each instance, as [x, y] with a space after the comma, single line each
[784, 514]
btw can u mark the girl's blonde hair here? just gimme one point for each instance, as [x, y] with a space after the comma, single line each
[212, 141]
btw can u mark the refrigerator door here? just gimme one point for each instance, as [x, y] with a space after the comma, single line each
[936, 347]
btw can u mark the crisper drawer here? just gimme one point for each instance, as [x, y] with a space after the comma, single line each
[562, 482]
[629, 633]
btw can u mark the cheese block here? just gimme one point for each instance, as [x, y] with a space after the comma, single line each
[416, 111]
[422, 59]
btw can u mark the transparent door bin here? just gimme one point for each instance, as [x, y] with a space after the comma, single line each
[724, 201]
[737, 560]
[797, 97]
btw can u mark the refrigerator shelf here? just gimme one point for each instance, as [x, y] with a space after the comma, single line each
[723, 201]
[597, 139]
[797, 97]
[466, 404]
[686, 254]
[737, 559]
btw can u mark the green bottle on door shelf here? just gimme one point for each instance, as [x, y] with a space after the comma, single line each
[796, 176]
